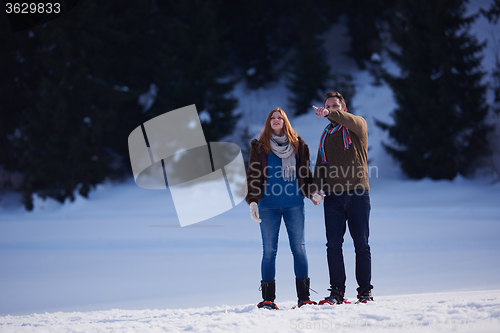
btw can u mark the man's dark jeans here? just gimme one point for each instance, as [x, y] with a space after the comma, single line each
[353, 207]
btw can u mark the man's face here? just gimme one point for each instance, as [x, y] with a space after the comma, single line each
[333, 103]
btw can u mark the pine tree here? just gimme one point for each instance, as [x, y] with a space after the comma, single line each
[261, 36]
[309, 75]
[364, 18]
[493, 14]
[439, 126]
[12, 100]
[193, 64]
[496, 85]
[69, 111]
[70, 87]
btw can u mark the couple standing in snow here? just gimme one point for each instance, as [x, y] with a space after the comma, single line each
[279, 178]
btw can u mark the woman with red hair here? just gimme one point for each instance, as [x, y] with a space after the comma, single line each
[278, 178]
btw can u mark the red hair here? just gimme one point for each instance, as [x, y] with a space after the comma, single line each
[265, 134]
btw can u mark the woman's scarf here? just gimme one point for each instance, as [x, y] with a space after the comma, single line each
[329, 129]
[284, 150]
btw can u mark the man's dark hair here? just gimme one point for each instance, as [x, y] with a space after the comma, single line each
[335, 94]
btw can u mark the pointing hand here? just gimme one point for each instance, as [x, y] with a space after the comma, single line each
[321, 111]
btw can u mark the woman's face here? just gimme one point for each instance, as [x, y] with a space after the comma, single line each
[276, 123]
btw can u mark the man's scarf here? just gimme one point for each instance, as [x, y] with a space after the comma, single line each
[329, 129]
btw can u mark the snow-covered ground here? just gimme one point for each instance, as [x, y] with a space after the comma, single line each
[123, 247]
[441, 312]
[119, 261]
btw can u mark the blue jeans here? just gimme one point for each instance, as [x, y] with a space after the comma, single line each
[355, 209]
[270, 227]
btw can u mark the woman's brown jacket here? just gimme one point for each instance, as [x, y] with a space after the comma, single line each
[257, 164]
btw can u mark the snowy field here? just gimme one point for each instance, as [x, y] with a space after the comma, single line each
[443, 312]
[120, 262]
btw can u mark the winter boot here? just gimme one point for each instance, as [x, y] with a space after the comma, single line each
[365, 297]
[303, 292]
[268, 294]
[336, 297]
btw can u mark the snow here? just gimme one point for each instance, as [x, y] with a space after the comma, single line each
[147, 99]
[375, 57]
[205, 117]
[119, 261]
[443, 312]
[251, 71]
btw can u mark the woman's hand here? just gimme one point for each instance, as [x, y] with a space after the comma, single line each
[317, 197]
[254, 212]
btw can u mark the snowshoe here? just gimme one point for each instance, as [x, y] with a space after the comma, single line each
[333, 301]
[336, 297]
[300, 303]
[365, 297]
[267, 305]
